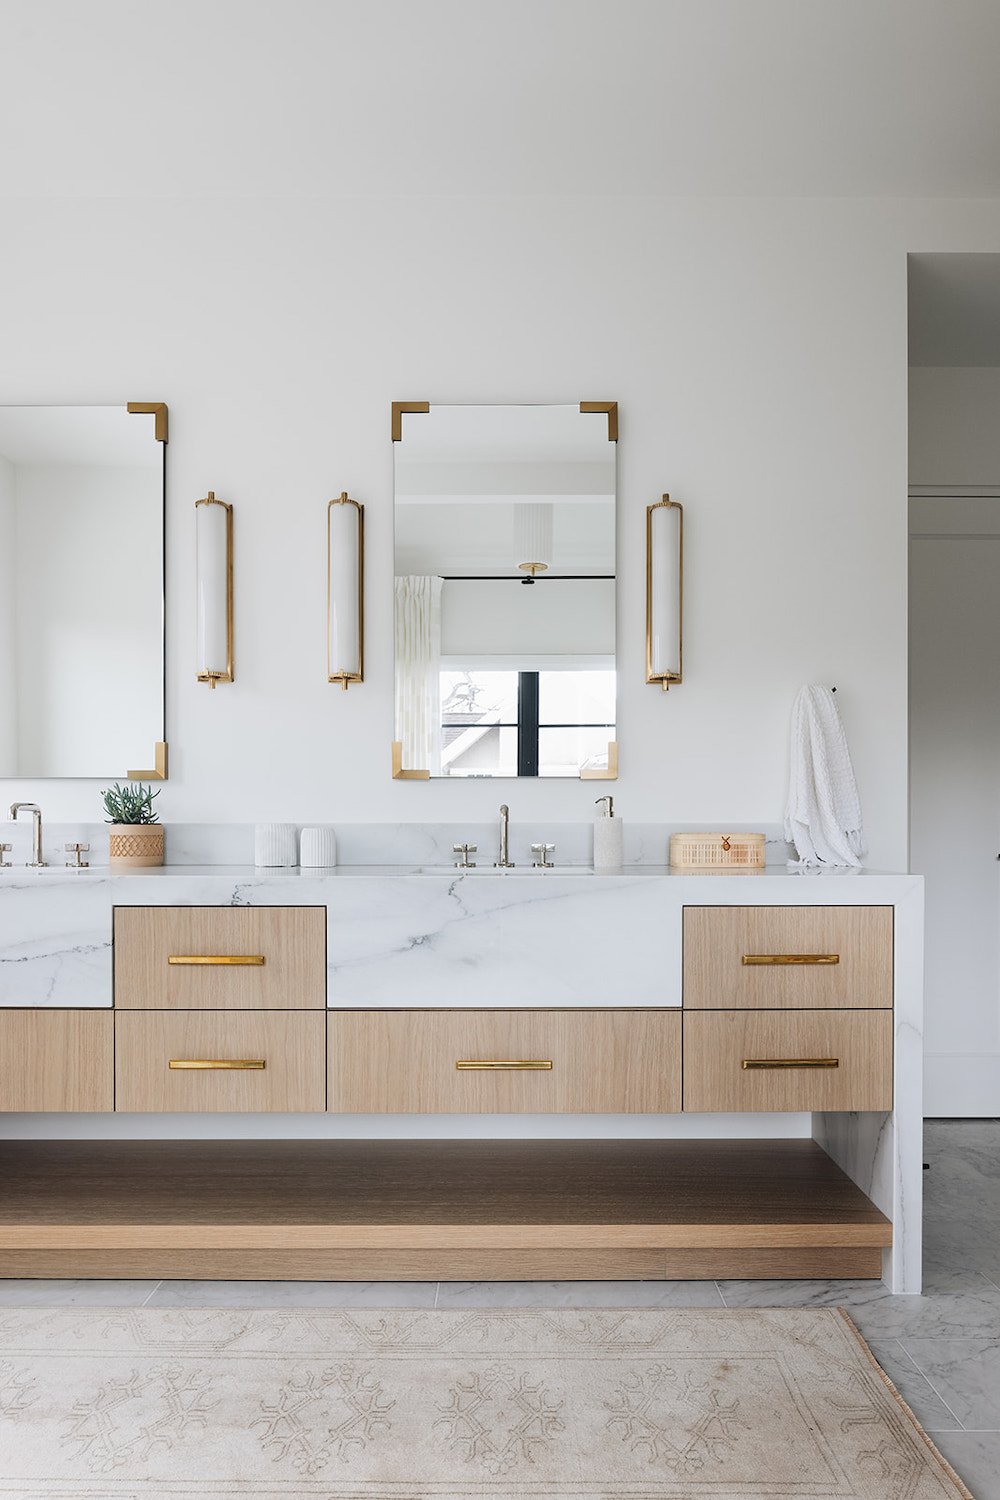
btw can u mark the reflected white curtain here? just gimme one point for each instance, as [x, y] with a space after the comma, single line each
[418, 671]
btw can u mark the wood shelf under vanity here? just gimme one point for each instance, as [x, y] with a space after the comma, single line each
[433, 1210]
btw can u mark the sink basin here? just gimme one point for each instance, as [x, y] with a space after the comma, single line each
[516, 870]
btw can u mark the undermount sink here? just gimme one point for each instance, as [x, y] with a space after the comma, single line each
[508, 870]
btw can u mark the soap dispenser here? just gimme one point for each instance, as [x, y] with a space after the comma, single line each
[608, 839]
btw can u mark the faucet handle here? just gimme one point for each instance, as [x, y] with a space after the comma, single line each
[464, 850]
[543, 851]
[77, 850]
[5, 849]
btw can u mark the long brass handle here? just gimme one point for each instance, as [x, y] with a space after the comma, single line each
[228, 1064]
[791, 958]
[791, 1062]
[248, 960]
[520, 1064]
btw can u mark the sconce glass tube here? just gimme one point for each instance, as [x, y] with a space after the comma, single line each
[214, 572]
[533, 537]
[664, 591]
[345, 582]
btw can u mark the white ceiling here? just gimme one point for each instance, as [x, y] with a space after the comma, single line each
[799, 97]
[954, 309]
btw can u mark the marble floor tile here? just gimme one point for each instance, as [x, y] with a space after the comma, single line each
[579, 1294]
[294, 1294]
[47, 1293]
[916, 1390]
[975, 1457]
[965, 1373]
[970, 1312]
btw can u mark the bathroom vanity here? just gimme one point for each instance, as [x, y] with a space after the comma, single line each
[435, 1073]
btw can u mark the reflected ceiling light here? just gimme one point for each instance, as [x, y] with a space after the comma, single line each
[532, 539]
[214, 574]
[345, 526]
[664, 591]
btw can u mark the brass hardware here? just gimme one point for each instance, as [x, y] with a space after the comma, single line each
[419, 408]
[345, 678]
[226, 1064]
[398, 774]
[232, 960]
[77, 850]
[611, 774]
[791, 1062]
[520, 1065]
[611, 408]
[157, 410]
[665, 679]
[751, 959]
[227, 676]
[159, 771]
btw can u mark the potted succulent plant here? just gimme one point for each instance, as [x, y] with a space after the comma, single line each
[136, 836]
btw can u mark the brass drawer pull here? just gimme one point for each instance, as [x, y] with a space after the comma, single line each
[791, 958]
[522, 1064]
[791, 1062]
[228, 1064]
[248, 960]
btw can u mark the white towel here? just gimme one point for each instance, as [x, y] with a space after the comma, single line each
[823, 816]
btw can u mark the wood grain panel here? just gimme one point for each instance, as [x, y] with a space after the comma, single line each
[440, 1265]
[716, 1043]
[290, 1043]
[290, 939]
[400, 1062]
[717, 938]
[58, 1060]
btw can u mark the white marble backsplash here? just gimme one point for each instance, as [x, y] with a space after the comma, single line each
[382, 843]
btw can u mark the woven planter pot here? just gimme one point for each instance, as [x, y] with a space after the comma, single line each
[135, 846]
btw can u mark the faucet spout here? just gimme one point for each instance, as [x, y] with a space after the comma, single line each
[504, 862]
[37, 862]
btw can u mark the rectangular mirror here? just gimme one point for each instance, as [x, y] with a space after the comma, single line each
[81, 589]
[505, 590]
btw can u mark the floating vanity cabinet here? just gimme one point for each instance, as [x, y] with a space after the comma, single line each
[777, 957]
[220, 958]
[206, 1060]
[220, 1008]
[505, 1062]
[58, 1060]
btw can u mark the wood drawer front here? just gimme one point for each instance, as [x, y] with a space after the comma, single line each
[290, 1044]
[800, 956]
[291, 940]
[602, 1062]
[716, 1044]
[60, 1060]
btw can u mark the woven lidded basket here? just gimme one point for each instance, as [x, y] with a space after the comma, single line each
[135, 846]
[717, 851]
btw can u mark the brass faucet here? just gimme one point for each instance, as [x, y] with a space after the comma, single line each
[37, 862]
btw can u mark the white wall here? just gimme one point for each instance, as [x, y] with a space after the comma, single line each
[8, 615]
[500, 617]
[955, 426]
[757, 349]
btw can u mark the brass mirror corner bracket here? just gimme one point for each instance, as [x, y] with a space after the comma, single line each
[399, 409]
[611, 408]
[589, 773]
[159, 771]
[398, 774]
[157, 410]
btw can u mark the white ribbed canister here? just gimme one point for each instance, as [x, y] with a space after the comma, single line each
[317, 848]
[275, 845]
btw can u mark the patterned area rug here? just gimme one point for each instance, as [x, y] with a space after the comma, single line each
[409, 1405]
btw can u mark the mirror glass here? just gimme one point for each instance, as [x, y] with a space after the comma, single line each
[505, 591]
[81, 591]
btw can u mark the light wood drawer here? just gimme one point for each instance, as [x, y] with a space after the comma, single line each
[773, 957]
[220, 957]
[853, 1048]
[287, 1049]
[430, 1062]
[60, 1060]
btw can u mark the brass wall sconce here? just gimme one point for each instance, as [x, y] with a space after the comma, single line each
[345, 636]
[664, 592]
[214, 571]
